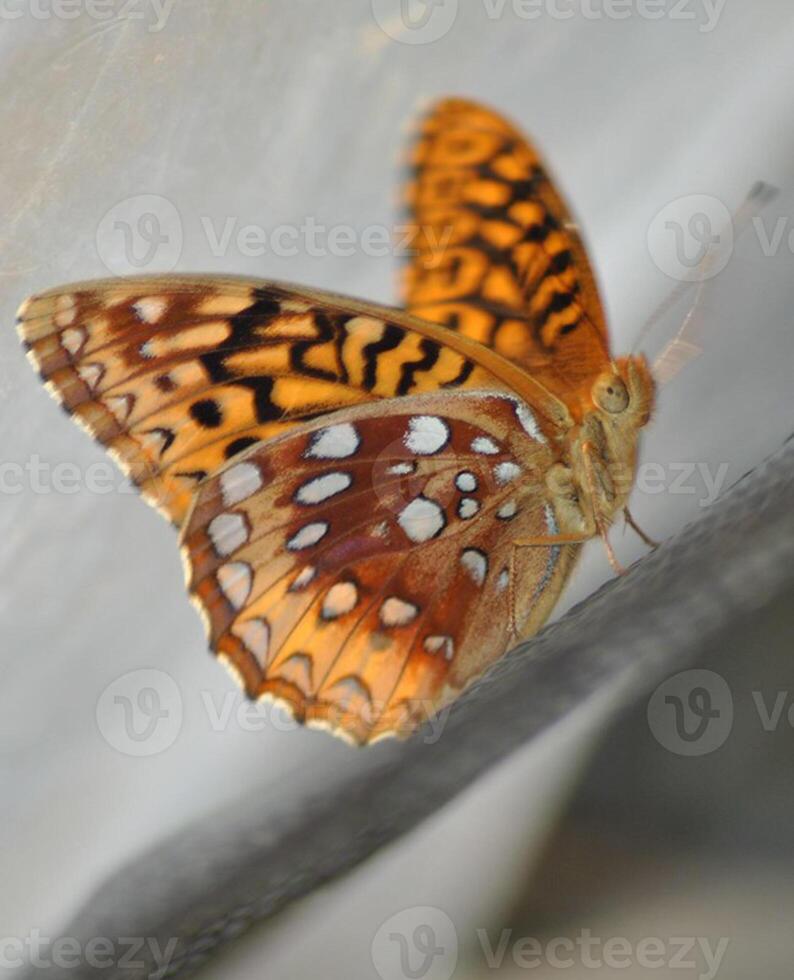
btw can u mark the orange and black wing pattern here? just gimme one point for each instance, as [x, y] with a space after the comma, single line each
[176, 375]
[496, 255]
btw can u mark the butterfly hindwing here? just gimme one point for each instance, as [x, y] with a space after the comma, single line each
[496, 254]
[359, 569]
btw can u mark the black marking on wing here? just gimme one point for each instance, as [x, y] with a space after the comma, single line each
[462, 376]
[262, 388]
[430, 354]
[243, 325]
[298, 350]
[392, 337]
[207, 413]
[239, 446]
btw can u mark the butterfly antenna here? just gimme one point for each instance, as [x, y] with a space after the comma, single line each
[682, 349]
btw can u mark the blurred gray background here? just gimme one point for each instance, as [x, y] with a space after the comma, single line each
[145, 137]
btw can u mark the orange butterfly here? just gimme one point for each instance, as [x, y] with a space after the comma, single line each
[373, 505]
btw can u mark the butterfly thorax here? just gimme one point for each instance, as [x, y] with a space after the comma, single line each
[593, 481]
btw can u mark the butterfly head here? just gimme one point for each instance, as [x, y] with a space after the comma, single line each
[623, 396]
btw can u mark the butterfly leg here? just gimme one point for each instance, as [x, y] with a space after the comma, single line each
[553, 540]
[613, 560]
[602, 527]
[638, 530]
[543, 541]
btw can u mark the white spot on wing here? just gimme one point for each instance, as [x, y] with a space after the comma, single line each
[528, 422]
[433, 644]
[308, 535]
[91, 374]
[503, 580]
[484, 446]
[228, 532]
[120, 406]
[339, 600]
[323, 487]
[293, 306]
[397, 612]
[421, 519]
[505, 472]
[467, 508]
[155, 440]
[335, 442]
[401, 469]
[235, 580]
[65, 310]
[304, 578]
[350, 691]
[476, 564]
[240, 482]
[426, 435]
[73, 339]
[149, 309]
[255, 634]
[298, 670]
[466, 482]
[507, 511]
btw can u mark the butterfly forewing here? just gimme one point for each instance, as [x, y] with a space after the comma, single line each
[177, 375]
[360, 569]
[496, 254]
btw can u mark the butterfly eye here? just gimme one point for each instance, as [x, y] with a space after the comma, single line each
[610, 395]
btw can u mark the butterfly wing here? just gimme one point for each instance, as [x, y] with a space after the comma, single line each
[360, 569]
[496, 254]
[176, 375]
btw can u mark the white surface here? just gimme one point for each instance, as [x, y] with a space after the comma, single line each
[270, 114]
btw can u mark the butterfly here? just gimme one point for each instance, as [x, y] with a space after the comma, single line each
[373, 504]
